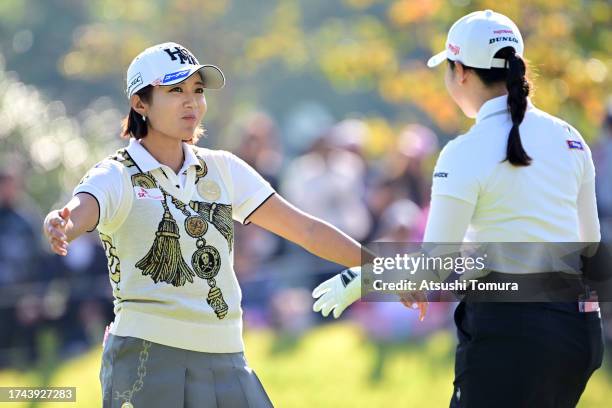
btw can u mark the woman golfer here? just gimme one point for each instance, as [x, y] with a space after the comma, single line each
[518, 175]
[164, 209]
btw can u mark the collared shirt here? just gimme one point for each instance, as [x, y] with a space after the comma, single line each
[110, 185]
[536, 203]
[172, 284]
[148, 163]
[496, 106]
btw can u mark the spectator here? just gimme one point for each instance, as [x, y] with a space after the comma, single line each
[19, 255]
[602, 157]
[19, 242]
[410, 165]
[329, 182]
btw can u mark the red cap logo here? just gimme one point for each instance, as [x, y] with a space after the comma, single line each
[454, 49]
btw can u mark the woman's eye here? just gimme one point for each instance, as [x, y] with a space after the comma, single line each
[200, 90]
[176, 89]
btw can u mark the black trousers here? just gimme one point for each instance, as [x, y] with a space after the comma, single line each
[524, 354]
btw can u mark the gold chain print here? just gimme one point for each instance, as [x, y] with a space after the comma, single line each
[141, 371]
[206, 260]
[164, 261]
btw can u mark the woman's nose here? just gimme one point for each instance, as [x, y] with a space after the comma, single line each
[191, 101]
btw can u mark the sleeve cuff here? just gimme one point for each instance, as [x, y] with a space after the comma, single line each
[93, 192]
[244, 211]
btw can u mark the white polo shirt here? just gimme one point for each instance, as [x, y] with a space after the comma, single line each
[168, 311]
[535, 203]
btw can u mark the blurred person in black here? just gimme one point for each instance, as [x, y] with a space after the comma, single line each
[260, 147]
[410, 165]
[19, 243]
[257, 250]
[602, 158]
[19, 255]
[403, 174]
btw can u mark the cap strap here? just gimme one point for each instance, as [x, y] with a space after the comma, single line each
[499, 63]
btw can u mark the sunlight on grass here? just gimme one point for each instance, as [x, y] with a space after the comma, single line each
[333, 366]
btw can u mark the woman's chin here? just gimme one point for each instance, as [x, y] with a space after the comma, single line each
[186, 134]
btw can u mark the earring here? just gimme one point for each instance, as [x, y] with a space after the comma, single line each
[144, 118]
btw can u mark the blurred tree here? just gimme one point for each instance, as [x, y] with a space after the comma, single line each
[356, 45]
[351, 56]
[52, 149]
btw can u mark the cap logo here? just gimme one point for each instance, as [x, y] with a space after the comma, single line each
[574, 144]
[175, 75]
[182, 54]
[134, 82]
[503, 39]
[503, 32]
[454, 49]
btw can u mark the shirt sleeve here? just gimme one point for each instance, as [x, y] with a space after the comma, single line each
[588, 220]
[104, 183]
[589, 167]
[588, 174]
[447, 222]
[250, 190]
[448, 219]
[455, 175]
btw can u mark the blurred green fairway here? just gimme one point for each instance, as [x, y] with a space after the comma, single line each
[331, 366]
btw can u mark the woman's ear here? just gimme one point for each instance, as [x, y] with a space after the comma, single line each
[138, 105]
[460, 73]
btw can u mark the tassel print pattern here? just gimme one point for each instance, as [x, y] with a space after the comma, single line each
[164, 262]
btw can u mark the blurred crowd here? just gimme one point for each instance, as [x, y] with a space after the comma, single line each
[333, 178]
[42, 293]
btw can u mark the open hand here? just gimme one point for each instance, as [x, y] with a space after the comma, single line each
[55, 230]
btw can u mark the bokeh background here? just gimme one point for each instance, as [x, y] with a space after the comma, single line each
[331, 101]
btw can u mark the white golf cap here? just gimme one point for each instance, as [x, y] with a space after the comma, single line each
[167, 64]
[474, 39]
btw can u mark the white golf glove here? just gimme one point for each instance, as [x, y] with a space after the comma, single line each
[338, 292]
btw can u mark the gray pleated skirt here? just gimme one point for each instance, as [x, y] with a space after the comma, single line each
[138, 373]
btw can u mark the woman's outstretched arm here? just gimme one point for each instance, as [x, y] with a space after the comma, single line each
[316, 236]
[78, 216]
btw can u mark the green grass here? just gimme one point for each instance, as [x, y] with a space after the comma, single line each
[332, 366]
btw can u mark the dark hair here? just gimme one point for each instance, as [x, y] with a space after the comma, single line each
[134, 126]
[518, 89]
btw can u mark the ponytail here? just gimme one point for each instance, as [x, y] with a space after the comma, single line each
[518, 90]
